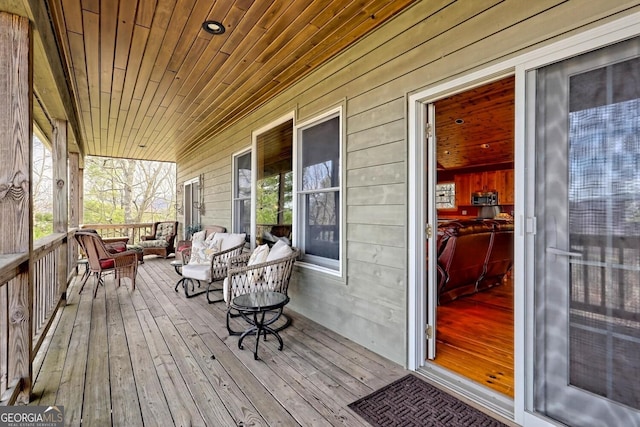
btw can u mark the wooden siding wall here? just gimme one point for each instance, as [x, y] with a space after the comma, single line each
[427, 44]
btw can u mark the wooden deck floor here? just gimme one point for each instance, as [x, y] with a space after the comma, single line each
[152, 357]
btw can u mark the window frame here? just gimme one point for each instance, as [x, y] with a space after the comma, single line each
[315, 262]
[452, 196]
[254, 171]
[234, 190]
[190, 212]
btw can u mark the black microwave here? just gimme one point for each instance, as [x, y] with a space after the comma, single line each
[488, 198]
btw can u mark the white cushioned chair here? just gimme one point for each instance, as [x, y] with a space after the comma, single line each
[262, 270]
[207, 261]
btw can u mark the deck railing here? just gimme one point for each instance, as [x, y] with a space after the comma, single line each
[606, 279]
[132, 231]
[25, 316]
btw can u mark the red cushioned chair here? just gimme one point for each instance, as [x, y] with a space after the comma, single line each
[101, 260]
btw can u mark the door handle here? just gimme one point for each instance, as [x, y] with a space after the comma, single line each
[561, 252]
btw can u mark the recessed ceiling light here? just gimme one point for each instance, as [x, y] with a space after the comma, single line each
[213, 27]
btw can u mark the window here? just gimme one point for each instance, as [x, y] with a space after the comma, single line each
[191, 205]
[242, 193]
[274, 183]
[446, 195]
[318, 195]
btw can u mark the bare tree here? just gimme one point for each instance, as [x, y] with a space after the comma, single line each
[128, 191]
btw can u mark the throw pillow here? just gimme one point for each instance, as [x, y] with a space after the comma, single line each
[258, 256]
[198, 235]
[278, 251]
[230, 240]
[202, 251]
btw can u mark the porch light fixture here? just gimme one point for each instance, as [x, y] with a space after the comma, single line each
[178, 206]
[213, 27]
[199, 205]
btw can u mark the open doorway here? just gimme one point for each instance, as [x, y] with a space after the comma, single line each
[474, 138]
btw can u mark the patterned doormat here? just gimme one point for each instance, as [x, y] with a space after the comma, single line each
[411, 401]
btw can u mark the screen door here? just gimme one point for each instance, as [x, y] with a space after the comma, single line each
[587, 366]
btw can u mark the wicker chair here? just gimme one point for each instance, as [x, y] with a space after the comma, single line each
[101, 260]
[271, 275]
[211, 270]
[161, 240]
[208, 231]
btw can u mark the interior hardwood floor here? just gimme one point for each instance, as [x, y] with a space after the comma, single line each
[475, 337]
[153, 357]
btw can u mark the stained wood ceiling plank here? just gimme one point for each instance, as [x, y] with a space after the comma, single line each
[108, 28]
[178, 106]
[128, 125]
[144, 87]
[116, 91]
[90, 144]
[146, 11]
[179, 18]
[245, 86]
[335, 33]
[275, 12]
[95, 120]
[227, 117]
[91, 5]
[246, 29]
[144, 106]
[278, 26]
[218, 122]
[250, 18]
[190, 33]
[91, 22]
[163, 87]
[488, 115]
[154, 42]
[126, 23]
[138, 43]
[201, 59]
[72, 15]
[336, 43]
[287, 29]
[91, 53]
[79, 68]
[116, 94]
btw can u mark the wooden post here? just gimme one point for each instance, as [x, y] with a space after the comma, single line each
[16, 132]
[75, 204]
[61, 198]
[75, 185]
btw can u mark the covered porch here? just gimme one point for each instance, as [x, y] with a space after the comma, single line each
[154, 357]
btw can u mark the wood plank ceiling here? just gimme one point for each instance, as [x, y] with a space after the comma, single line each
[475, 128]
[150, 83]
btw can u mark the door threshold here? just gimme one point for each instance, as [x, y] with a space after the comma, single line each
[471, 391]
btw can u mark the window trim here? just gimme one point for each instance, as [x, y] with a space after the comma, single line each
[297, 168]
[192, 211]
[234, 183]
[254, 170]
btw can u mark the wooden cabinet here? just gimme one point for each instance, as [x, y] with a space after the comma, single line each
[505, 184]
[501, 181]
[464, 187]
